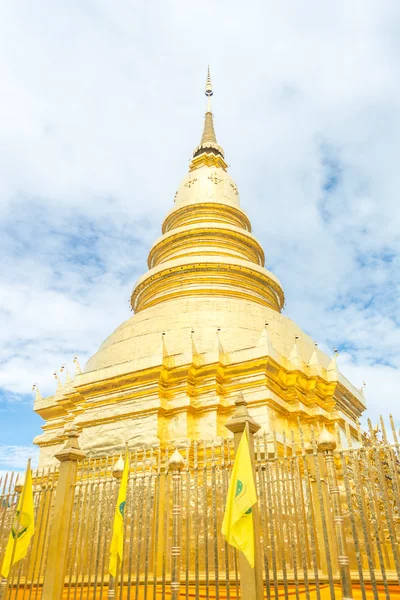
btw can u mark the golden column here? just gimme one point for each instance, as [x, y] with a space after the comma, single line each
[176, 464]
[53, 586]
[327, 444]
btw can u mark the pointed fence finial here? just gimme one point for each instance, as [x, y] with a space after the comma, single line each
[326, 441]
[176, 462]
[118, 468]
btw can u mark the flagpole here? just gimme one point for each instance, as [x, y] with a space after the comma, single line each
[4, 582]
[251, 580]
[112, 583]
[3, 585]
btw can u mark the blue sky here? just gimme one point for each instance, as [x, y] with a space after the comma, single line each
[102, 105]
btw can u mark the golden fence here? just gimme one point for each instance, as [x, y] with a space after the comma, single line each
[329, 518]
[27, 576]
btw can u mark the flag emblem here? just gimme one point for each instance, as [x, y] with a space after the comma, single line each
[240, 491]
[20, 524]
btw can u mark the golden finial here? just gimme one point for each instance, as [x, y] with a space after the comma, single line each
[326, 442]
[118, 468]
[208, 141]
[176, 462]
[209, 90]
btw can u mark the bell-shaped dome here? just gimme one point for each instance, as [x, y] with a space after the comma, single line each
[207, 249]
[207, 184]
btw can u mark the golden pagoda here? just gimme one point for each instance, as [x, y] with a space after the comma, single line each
[207, 324]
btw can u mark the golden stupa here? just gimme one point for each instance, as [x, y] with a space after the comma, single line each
[207, 324]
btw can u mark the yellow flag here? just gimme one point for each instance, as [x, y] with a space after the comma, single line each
[237, 525]
[23, 527]
[117, 542]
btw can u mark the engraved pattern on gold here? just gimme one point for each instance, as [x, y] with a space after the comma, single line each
[190, 182]
[215, 178]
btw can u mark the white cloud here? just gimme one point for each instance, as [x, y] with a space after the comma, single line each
[16, 457]
[101, 107]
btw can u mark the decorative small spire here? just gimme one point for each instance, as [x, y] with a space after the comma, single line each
[265, 341]
[59, 384]
[164, 346]
[38, 395]
[294, 357]
[314, 362]
[196, 359]
[223, 356]
[63, 368]
[78, 370]
[332, 369]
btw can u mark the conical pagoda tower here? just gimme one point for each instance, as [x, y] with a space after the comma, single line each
[207, 325]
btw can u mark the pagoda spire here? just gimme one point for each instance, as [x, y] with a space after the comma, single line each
[208, 132]
[208, 142]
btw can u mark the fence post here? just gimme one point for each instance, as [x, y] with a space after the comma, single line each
[176, 464]
[251, 580]
[320, 502]
[327, 444]
[57, 553]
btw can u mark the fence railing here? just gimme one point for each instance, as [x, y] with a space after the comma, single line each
[329, 511]
[26, 577]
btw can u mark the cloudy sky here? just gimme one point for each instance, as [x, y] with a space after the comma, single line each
[101, 106]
